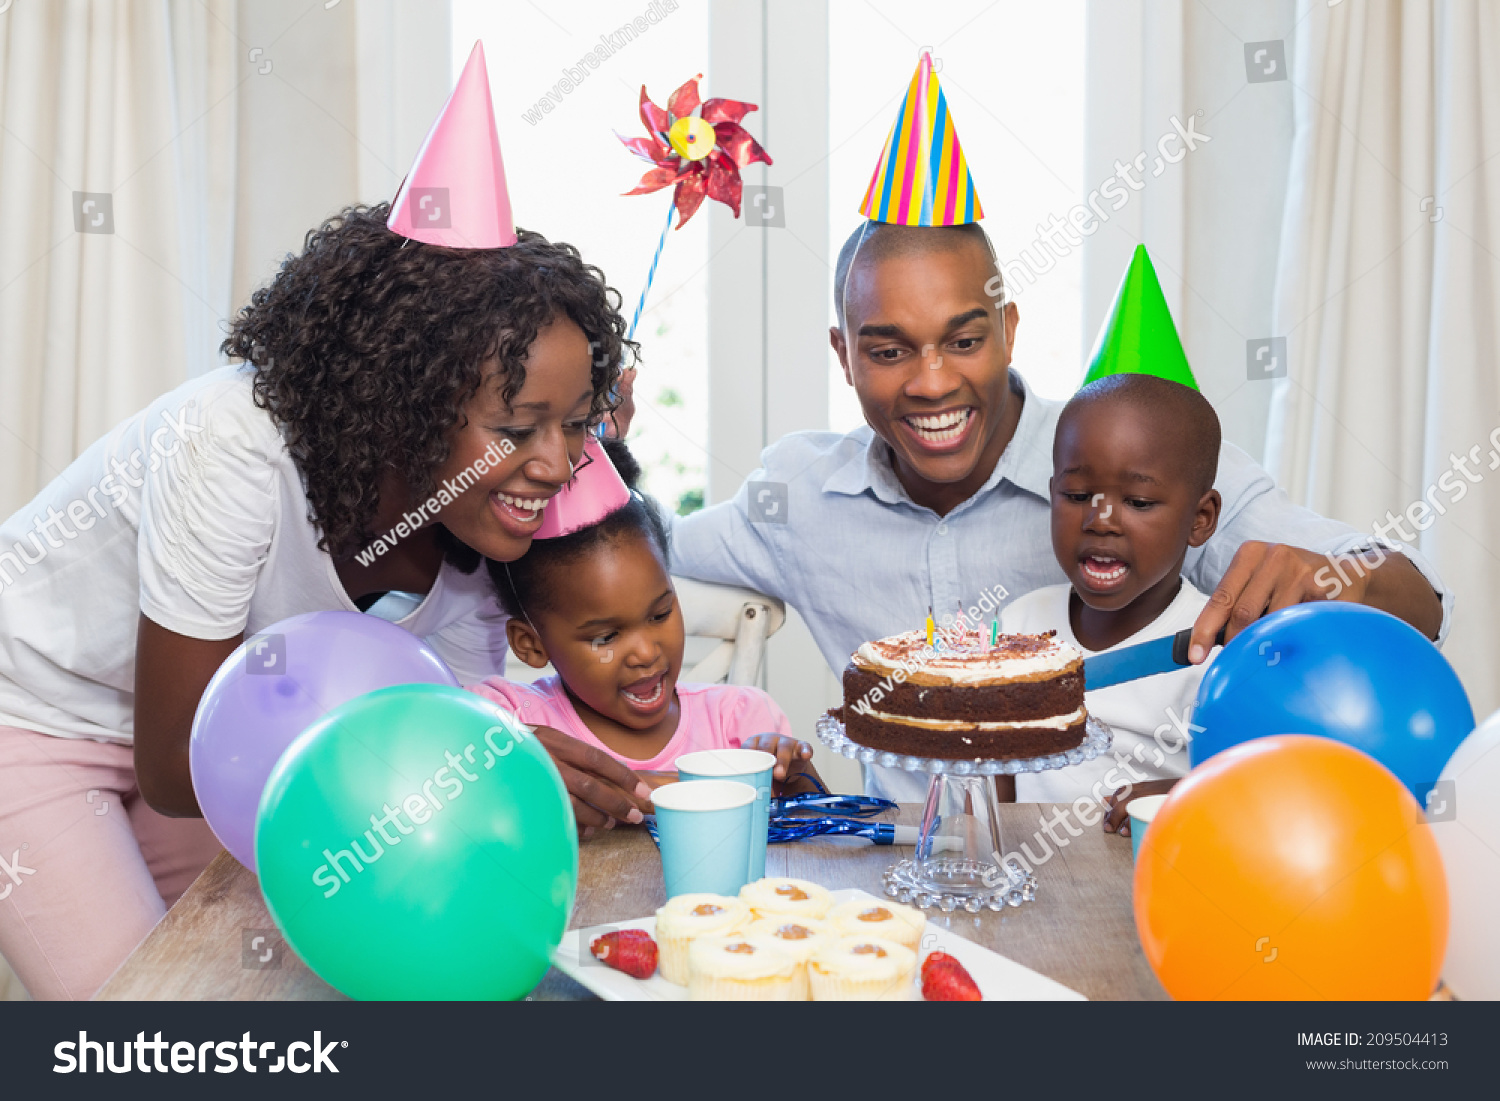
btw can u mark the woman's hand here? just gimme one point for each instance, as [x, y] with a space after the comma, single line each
[618, 422]
[654, 780]
[793, 762]
[603, 790]
[1117, 818]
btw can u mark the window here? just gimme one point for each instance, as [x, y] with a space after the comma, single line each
[557, 116]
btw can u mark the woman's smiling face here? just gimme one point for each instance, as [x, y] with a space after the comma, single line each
[545, 423]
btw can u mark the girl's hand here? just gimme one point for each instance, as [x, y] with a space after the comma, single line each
[1117, 820]
[793, 762]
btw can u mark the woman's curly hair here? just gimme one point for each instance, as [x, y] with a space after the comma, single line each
[367, 346]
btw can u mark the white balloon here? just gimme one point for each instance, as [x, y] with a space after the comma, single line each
[1464, 810]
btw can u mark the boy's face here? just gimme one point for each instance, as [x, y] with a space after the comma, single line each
[927, 352]
[614, 632]
[1124, 510]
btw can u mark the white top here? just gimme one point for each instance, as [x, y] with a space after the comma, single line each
[964, 657]
[1136, 710]
[192, 512]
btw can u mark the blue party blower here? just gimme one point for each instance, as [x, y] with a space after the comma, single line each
[1145, 659]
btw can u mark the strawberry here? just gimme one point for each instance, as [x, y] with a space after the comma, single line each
[629, 950]
[945, 980]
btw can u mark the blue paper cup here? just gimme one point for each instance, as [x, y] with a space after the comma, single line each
[1141, 812]
[748, 766]
[703, 827]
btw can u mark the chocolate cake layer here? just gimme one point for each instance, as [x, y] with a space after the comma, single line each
[1023, 701]
[962, 744]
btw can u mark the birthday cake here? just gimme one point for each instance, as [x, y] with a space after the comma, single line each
[965, 697]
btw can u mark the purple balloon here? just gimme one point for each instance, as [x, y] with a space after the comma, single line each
[276, 685]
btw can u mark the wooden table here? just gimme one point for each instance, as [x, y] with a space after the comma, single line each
[1079, 931]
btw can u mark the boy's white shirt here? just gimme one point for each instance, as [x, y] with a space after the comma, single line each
[1136, 710]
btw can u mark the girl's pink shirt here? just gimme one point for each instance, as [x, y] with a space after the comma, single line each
[713, 716]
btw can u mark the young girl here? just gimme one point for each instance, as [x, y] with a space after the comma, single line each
[599, 605]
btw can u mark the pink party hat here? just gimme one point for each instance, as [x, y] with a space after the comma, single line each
[922, 177]
[596, 490]
[455, 193]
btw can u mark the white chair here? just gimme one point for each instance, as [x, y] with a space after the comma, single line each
[740, 619]
[727, 628]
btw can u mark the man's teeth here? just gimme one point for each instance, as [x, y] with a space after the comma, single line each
[524, 504]
[941, 427]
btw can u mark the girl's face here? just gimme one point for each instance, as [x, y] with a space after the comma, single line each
[500, 504]
[614, 632]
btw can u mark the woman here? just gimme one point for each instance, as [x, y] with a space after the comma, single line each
[376, 371]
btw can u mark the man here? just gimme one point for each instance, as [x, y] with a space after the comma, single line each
[942, 496]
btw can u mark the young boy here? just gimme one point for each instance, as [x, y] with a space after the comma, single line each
[1134, 461]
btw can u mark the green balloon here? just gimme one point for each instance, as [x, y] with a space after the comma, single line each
[418, 843]
[1138, 337]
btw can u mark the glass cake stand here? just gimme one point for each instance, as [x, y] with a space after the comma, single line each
[960, 862]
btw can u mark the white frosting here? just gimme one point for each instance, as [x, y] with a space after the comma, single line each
[678, 916]
[973, 664]
[763, 898]
[846, 915]
[844, 957]
[1056, 722]
[741, 957]
[800, 948]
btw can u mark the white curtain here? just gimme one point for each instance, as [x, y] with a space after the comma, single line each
[1388, 292]
[132, 104]
[209, 136]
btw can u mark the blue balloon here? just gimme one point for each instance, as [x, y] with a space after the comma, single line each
[1343, 671]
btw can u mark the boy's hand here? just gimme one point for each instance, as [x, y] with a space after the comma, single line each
[793, 762]
[1117, 818]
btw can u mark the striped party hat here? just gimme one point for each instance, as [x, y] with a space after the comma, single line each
[922, 178]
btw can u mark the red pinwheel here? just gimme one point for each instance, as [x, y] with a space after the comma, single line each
[699, 145]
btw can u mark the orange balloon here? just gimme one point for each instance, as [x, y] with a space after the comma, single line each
[1292, 867]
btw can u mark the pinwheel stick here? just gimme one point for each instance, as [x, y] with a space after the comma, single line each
[640, 305]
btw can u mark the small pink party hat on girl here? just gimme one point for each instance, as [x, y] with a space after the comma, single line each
[595, 490]
[455, 193]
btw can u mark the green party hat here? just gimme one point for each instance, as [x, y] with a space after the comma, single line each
[1138, 337]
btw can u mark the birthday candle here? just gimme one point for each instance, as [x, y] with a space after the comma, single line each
[929, 625]
[994, 633]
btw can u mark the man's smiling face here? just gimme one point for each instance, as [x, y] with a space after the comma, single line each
[928, 353]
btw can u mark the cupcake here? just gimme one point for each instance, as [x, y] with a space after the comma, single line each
[687, 917]
[798, 936]
[879, 918]
[740, 968]
[862, 969]
[795, 897]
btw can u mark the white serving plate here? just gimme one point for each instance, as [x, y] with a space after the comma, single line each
[999, 979]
